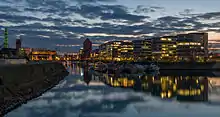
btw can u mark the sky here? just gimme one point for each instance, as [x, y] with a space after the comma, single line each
[64, 24]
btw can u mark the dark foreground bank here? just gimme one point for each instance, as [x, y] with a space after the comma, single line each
[20, 83]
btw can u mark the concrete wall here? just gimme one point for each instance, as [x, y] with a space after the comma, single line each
[186, 65]
[189, 66]
[20, 83]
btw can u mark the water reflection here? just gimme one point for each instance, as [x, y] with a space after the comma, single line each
[119, 95]
[183, 88]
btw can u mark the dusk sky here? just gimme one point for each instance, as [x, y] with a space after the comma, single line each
[64, 24]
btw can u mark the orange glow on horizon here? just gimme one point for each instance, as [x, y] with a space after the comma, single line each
[214, 36]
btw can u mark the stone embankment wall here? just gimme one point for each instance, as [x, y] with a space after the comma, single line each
[185, 65]
[20, 83]
[189, 66]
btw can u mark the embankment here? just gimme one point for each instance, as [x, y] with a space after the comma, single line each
[185, 65]
[20, 83]
[189, 66]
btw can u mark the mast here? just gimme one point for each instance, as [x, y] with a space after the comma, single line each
[6, 38]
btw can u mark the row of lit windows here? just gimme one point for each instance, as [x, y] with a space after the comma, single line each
[166, 39]
[191, 43]
[120, 82]
[44, 52]
[189, 92]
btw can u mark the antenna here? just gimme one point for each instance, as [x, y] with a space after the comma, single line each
[6, 38]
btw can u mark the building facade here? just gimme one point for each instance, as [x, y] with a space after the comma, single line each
[116, 51]
[87, 49]
[192, 46]
[95, 54]
[42, 54]
[142, 49]
[126, 51]
[102, 51]
[113, 50]
[80, 54]
[214, 50]
[164, 48]
[182, 47]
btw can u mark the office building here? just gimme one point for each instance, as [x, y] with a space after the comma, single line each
[164, 49]
[192, 46]
[214, 50]
[80, 54]
[126, 51]
[103, 51]
[95, 54]
[116, 51]
[142, 49]
[112, 50]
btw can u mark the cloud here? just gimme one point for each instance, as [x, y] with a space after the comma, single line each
[212, 15]
[16, 18]
[106, 12]
[69, 22]
[48, 3]
[144, 9]
[92, 1]
[8, 9]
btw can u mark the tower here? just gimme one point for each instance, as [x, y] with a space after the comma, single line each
[18, 43]
[87, 48]
[6, 38]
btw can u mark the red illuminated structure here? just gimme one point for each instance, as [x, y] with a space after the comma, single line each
[18, 43]
[87, 48]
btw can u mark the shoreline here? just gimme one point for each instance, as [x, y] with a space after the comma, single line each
[171, 65]
[31, 85]
[26, 99]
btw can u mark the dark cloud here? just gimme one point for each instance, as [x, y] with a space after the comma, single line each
[47, 3]
[43, 10]
[210, 15]
[106, 12]
[143, 9]
[177, 24]
[169, 19]
[217, 24]
[8, 9]
[16, 18]
[92, 1]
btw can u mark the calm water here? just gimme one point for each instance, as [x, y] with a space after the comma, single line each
[86, 93]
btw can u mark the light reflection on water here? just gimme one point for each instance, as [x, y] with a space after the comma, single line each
[90, 94]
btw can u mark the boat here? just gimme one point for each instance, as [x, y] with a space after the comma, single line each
[99, 66]
[152, 67]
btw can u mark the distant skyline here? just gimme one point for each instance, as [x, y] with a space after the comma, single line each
[64, 24]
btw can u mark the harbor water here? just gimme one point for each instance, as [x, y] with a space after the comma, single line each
[86, 93]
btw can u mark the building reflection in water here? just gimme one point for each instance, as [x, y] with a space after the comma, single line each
[183, 88]
[86, 75]
[91, 79]
[74, 69]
